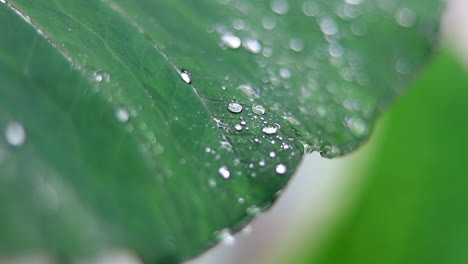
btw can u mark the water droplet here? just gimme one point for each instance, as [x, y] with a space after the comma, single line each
[3, 1]
[253, 46]
[285, 146]
[262, 163]
[224, 172]
[258, 109]
[269, 23]
[248, 91]
[231, 41]
[285, 73]
[253, 210]
[235, 108]
[405, 17]
[238, 127]
[310, 8]
[212, 183]
[354, 2]
[335, 50]
[226, 237]
[280, 7]
[272, 154]
[241, 200]
[243, 122]
[296, 44]
[186, 76]
[239, 24]
[403, 66]
[270, 130]
[328, 26]
[122, 114]
[98, 77]
[15, 134]
[281, 168]
[357, 126]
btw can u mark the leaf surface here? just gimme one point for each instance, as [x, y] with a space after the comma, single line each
[123, 125]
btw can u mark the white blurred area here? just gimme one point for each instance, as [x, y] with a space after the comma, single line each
[320, 191]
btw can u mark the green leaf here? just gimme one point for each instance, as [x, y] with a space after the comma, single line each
[106, 146]
[413, 204]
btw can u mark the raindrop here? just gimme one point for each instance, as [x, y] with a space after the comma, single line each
[270, 130]
[281, 168]
[122, 114]
[279, 6]
[238, 127]
[186, 76]
[231, 41]
[296, 44]
[310, 8]
[253, 45]
[235, 108]
[405, 17]
[224, 172]
[258, 109]
[15, 134]
[226, 237]
[285, 73]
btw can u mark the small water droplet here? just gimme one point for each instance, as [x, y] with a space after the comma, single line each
[241, 200]
[328, 26]
[122, 114]
[405, 17]
[238, 127]
[281, 168]
[224, 172]
[285, 73]
[272, 154]
[98, 77]
[269, 23]
[310, 8]
[212, 183]
[226, 237]
[239, 24]
[403, 66]
[296, 44]
[253, 210]
[280, 7]
[15, 134]
[270, 130]
[285, 146]
[253, 45]
[231, 40]
[357, 126]
[262, 163]
[235, 108]
[186, 76]
[258, 109]
[248, 91]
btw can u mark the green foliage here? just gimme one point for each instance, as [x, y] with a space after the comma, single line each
[106, 146]
[413, 206]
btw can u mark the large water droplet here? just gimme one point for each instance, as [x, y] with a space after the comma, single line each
[238, 127]
[235, 108]
[270, 130]
[253, 45]
[281, 168]
[231, 41]
[186, 76]
[15, 134]
[224, 172]
[258, 109]
[122, 114]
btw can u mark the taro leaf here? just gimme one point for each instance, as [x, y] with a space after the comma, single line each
[106, 146]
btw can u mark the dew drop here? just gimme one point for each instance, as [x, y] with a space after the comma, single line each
[224, 172]
[310, 8]
[296, 44]
[186, 76]
[269, 23]
[122, 114]
[243, 122]
[285, 73]
[280, 7]
[231, 41]
[272, 154]
[281, 168]
[238, 127]
[235, 108]
[226, 237]
[328, 26]
[405, 17]
[253, 45]
[15, 134]
[258, 109]
[270, 130]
